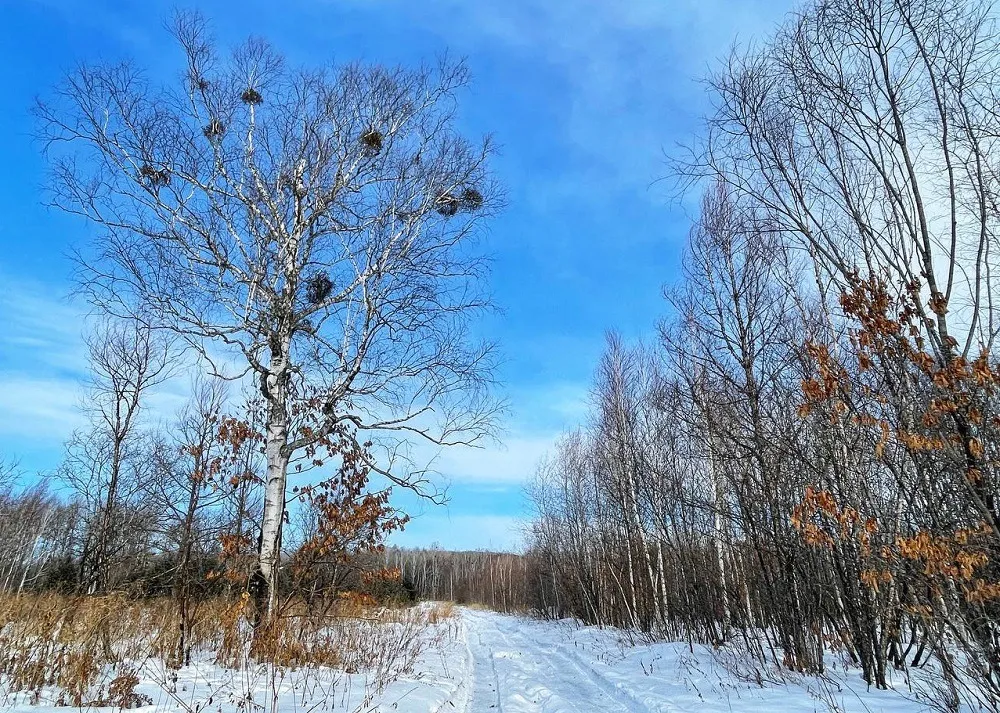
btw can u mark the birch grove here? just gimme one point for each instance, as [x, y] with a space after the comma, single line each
[806, 461]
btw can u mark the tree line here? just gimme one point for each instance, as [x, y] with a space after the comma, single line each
[502, 581]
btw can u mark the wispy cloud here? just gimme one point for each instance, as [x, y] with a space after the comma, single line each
[43, 374]
[542, 414]
[41, 331]
[463, 532]
[511, 463]
[37, 410]
[626, 74]
[42, 364]
[552, 406]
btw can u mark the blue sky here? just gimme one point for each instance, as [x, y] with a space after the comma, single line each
[585, 98]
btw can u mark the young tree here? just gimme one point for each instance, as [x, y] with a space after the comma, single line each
[189, 491]
[342, 524]
[107, 464]
[318, 224]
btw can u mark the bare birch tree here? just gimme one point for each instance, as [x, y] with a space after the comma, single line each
[867, 131]
[317, 225]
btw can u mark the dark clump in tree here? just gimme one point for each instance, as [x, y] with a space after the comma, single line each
[471, 199]
[156, 177]
[372, 140]
[214, 130]
[318, 288]
[448, 205]
[251, 96]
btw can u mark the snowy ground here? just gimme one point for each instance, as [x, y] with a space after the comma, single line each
[549, 667]
[481, 662]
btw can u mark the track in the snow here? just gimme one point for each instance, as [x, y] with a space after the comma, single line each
[515, 673]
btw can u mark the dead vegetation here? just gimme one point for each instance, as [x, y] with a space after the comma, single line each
[94, 651]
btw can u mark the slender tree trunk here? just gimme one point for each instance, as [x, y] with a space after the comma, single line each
[275, 441]
[718, 535]
[182, 582]
[101, 575]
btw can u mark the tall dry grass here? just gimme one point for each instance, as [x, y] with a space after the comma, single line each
[95, 651]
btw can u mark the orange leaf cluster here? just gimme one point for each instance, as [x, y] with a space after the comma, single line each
[347, 519]
[821, 520]
[954, 557]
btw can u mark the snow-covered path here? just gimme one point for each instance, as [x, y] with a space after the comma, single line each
[519, 665]
[515, 671]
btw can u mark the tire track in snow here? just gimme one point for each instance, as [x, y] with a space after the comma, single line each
[464, 687]
[631, 702]
[531, 676]
[479, 689]
[496, 680]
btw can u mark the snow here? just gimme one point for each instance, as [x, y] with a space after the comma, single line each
[483, 662]
[551, 667]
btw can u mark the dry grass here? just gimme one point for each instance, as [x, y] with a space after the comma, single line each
[475, 606]
[79, 646]
[88, 651]
[441, 611]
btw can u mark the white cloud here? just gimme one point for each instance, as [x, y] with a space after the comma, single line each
[543, 413]
[41, 330]
[511, 463]
[42, 364]
[43, 372]
[554, 406]
[40, 410]
[463, 532]
[632, 71]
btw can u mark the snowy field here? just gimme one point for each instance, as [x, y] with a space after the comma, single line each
[479, 662]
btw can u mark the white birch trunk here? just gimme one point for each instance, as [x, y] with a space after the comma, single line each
[276, 478]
